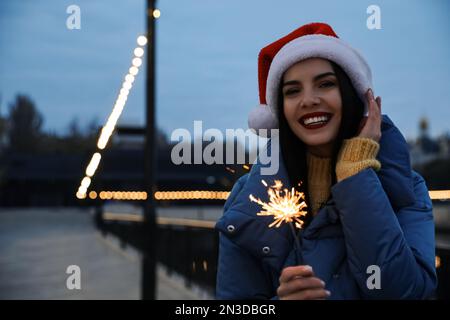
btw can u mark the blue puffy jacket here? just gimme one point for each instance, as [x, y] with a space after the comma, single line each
[379, 218]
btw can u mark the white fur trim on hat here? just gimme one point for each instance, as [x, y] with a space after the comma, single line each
[319, 46]
[262, 117]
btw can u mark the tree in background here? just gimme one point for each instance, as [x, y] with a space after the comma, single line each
[23, 131]
[75, 141]
[24, 125]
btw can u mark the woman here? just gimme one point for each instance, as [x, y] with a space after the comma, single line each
[369, 231]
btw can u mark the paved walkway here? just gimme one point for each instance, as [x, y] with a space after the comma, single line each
[37, 246]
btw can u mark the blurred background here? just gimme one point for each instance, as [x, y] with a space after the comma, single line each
[91, 91]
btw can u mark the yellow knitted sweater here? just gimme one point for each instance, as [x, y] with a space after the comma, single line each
[356, 154]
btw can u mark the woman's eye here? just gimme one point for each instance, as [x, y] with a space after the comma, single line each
[327, 84]
[290, 92]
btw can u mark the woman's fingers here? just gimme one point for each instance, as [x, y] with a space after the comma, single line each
[378, 101]
[372, 104]
[377, 114]
[371, 125]
[310, 294]
[296, 271]
[299, 284]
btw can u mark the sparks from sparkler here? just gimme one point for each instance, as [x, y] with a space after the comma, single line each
[284, 205]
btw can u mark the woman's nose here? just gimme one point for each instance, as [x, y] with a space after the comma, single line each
[309, 99]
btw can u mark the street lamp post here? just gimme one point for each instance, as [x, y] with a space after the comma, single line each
[149, 226]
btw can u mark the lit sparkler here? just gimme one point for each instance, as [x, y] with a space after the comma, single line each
[285, 206]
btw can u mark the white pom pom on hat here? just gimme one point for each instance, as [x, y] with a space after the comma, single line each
[262, 117]
[314, 40]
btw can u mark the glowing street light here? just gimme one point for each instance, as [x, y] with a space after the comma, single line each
[133, 71]
[142, 40]
[137, 62]
[138, 52]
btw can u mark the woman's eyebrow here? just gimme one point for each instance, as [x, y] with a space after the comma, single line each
[322, 75]
[319, 76]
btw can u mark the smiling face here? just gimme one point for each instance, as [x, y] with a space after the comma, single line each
[312, 104]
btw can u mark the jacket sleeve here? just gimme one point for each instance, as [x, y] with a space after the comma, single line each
[239, 273]
[400, 243]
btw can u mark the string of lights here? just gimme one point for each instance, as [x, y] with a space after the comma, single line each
[110, 124]
[160, 195]
[200, 194]
[193, 195]
[439, 194]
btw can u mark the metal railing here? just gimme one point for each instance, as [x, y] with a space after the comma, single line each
[189, 247]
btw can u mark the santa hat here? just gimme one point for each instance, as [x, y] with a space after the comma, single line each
[314, 40]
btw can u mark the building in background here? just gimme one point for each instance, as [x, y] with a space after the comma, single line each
[425, 149]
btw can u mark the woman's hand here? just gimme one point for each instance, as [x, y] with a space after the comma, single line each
[370, 126]
[299, 283]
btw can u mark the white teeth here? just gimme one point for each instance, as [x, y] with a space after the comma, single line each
[308, 121]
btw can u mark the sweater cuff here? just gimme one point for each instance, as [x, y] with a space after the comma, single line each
[357, 154]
